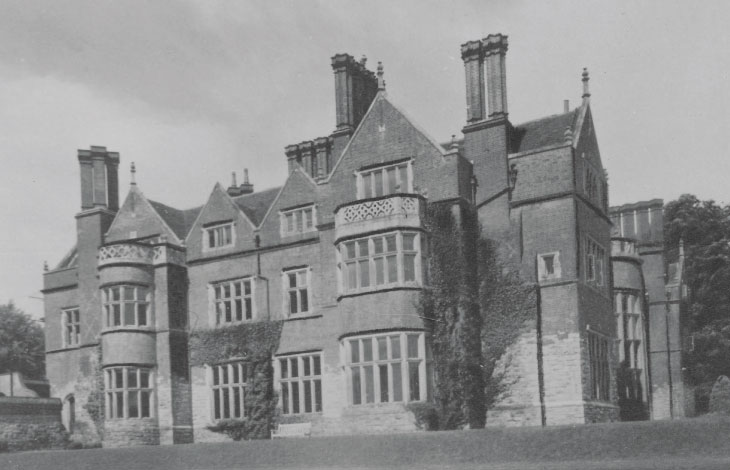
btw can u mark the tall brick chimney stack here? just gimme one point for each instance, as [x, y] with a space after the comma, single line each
[487, 130]
[471, 54]
[355, 89]
[99, 178]
[246, 187]
[495, 49]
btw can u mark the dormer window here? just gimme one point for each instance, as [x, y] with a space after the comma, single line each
[385, 179]
[298, 220]
[218, 235]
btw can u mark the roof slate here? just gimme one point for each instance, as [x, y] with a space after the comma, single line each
[544, 132]
[179, 221]
[256, 205]
[532, 135]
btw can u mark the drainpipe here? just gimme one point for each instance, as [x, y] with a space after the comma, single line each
[257, 240]
[669, 356]
[540, 371]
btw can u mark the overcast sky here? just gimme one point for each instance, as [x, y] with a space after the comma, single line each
[192, 90]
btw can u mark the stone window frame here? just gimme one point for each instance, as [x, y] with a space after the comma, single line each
[214, 230]
[595, 262]
[71, 327]
[543, 265]
[306, 381]
[118, 395]
[365, 368]
[227, 386]
[599, 351]
[243, 303]
[367, 175]
[141, 307]
[352, 260]
[300, 223]
[300, 291]
[630, 328]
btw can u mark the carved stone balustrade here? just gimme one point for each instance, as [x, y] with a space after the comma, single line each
[624, 248]
[139, 253]
[376, 214]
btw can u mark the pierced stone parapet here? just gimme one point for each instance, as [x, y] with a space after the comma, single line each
[378, 214]
[125, 253]
[138, 253]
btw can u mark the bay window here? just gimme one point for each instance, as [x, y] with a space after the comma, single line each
[126, 305]
[128, 392]
[383, 260]
[387, 367]
[386, 179]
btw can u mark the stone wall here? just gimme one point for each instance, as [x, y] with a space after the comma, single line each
[28, 423]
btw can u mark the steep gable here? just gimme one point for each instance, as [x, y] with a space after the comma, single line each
[220, 208]
[386, 134]
[179, 221]
[138, 218]
[585, 141]
[298, 190]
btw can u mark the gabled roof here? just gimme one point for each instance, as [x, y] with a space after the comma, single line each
[544, 132]
[256, 205]
[68, 261]
[179, 221]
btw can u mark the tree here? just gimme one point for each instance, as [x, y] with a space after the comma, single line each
[704, 227]
[21, 343]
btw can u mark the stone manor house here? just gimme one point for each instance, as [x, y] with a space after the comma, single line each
[340, 254]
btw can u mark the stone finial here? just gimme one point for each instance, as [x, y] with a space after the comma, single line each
[681, 248]
[133, 172]
[586, 78]
[363, 60]
[381, 81]
[45, 266]
[568, 134]
[454, 143]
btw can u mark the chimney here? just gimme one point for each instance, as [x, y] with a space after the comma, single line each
[495, 48]
[246, 187]
[471, 54]
[355, 88]
[233, 189]
[99, 178]
[566, 106]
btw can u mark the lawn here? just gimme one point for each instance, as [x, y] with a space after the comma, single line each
[698, 443]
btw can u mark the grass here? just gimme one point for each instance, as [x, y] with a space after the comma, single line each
[648, 442]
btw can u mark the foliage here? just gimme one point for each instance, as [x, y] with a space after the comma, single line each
[452, 304]
[427, 416]
[95, 400]
[720, 396]
[253, 343]
[507, 303]
[704, 228]
[21, 343]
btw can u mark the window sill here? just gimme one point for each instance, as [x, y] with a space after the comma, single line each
[303, 316]
[128, 329]
[388, 288]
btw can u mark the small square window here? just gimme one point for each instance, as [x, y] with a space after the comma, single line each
[549, 266]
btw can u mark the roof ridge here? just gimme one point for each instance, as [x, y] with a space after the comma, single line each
[550, 116]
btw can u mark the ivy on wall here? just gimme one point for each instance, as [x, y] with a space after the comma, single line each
[479, 308]
[452, 303]
[95, 401]
[253, 343]
[508, 306]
